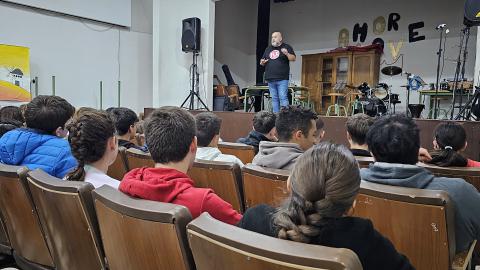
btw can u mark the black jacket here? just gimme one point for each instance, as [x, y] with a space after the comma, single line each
[129, 144]
[356, 234]
[360, 153]
[254, 138]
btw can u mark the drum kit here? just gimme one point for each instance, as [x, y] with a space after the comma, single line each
[379, 100]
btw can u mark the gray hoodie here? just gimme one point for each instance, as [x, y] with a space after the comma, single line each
[464, 195]
[277, 155]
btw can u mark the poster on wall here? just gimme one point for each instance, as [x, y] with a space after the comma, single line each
[14, 73]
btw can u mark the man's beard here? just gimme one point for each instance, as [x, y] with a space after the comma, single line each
[276, 43]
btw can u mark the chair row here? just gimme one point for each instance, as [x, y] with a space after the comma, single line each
[55, 224]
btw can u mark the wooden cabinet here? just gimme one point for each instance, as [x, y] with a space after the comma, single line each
[322, 71]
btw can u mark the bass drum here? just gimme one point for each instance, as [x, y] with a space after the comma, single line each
[373, 106]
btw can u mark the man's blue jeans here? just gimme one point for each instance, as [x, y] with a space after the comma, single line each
[279, 93]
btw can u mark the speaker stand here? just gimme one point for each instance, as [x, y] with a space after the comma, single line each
[194, 90]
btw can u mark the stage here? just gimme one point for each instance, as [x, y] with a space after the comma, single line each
[238, 124]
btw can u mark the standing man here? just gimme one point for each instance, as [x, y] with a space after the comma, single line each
[276, 60]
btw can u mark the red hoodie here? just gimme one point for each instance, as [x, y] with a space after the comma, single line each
[172, 186]
[472, 163]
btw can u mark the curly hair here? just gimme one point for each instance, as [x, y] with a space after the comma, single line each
[324, 182]
[89, 133]
[293, 118]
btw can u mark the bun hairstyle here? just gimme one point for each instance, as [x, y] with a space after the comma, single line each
[451, 138]
[324, 183]
[89, 132]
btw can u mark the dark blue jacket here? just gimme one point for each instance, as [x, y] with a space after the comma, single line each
[31, 148]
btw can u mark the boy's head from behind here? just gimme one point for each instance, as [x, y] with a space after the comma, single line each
[208, 129]
[264, 122]
[48, 114]
[170, 135]
[124, 120]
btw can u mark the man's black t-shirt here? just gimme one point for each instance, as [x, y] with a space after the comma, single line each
[278, 67]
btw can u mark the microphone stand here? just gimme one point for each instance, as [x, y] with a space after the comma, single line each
[439, 53]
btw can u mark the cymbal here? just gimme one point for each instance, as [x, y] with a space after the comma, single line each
[391, 70]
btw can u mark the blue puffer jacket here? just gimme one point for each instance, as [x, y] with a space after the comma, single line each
[36, 150]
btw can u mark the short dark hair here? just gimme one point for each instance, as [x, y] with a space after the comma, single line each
[208, 125]
[358, 126]
[264, 121]
[47, 113]
[291, 119]
[169, 131]
[394, 139]
[9, 113]
[123, 118]
[320, 124]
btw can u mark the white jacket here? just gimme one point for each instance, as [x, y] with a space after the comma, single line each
[214, 154]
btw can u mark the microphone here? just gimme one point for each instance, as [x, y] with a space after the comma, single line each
[447, 31]
[441, 26]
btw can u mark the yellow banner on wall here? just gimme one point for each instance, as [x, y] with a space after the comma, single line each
[14, 73]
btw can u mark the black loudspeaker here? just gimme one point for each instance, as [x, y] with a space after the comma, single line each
[191, 35]
[472, 13]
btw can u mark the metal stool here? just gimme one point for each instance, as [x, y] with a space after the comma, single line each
[337, 108]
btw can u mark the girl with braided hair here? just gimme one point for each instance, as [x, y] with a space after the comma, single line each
[93, 144]
[324, 184]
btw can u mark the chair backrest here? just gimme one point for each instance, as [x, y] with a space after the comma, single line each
[225, 178]
[68, 218]
[138, 159]
[244, 152]
[5, 246]
[364, 162]
[264, 185]
[217, 245]
[142, 234]
[420, 223]
[21, 219]
[119, 167]
[471, 175]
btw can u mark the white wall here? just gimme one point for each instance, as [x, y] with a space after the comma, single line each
[313, 26]
[81, 54]
[110, 11]
[171, 80]
[235, 40]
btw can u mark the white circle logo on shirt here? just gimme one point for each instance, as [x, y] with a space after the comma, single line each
[274, 54]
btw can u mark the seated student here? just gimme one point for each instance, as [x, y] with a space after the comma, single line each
[41, 144]
[94, 145]
[170, 136]
[125, 120]
[323, 186]
[320, 131]
[394, 141]
[9, 113]
[296, 129]
[449, 140]
[208, 134]
[357, 128]
[263, 130]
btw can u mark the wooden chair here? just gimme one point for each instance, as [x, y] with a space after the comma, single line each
[5, 246]
[142, 234]
[420, 223]
[471, 175]
[264, 185]
[217, 245]
[244, 152]
[138, 159]
[68, 218]
[26, 237]
[225, 178]
[119, 167]
[364, 162]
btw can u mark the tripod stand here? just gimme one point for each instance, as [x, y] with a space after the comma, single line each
[466, 111]
[460, 72]
[194, 90]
